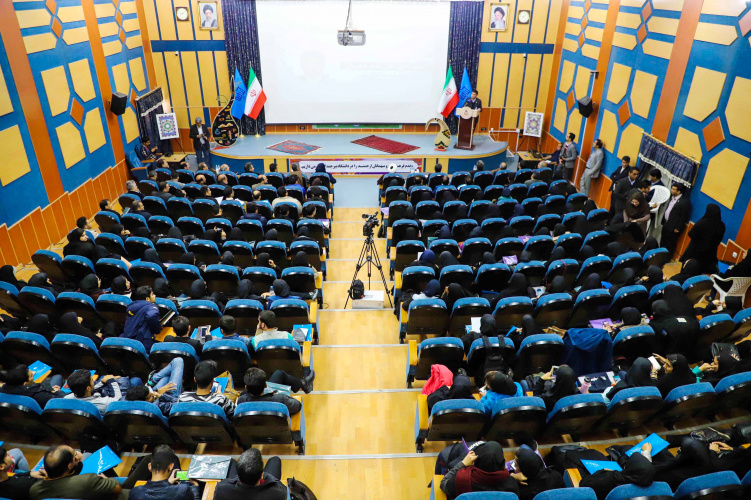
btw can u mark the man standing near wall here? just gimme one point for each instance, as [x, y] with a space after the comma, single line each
[200, 134]
[594, 166]
[568, 157]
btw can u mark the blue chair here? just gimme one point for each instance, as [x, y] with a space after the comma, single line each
[492, 228]
[570, 220]
[426, 208]
[507, 208]
[508, 247]
[276, 179]
[518, 190]
[232, 210]
[461, 228]
[27, 348]
[492, 192]
[575, 414]
[170, 249]
[510, 311]
[419, 193]
[279, 354]
[577, 200]
[555, 204]
[75, 351]
[430, 227]
[570, 242]
[714, 486]
[126, 200]
[697, 287]
[245, 312]
[742, 320]
[482, 179]
[715, 328]
[393, 194]
[186, 176]
[252, 230]
[534, 270]
[478, 352]
[733, 391]
[599, 264]
[424, 317]
[446, 351]
[315, 230]
[589, 304]
[76, 420]
[628, 296]
[137, 423]
[291, 312]
[540, 247]
[531, 205]
[264, 208]
[451, 420]
[492, 277]
[113, 307]
[206, 251]
[199, 422]
[416, 277]
[191, 226]
[522, 224]
[538, 353]
[656, 257]
[634, 342]
[205, 209]
[181, 276]
[655, 491]
[178, 207]
[267, 423]
[474, 249]
[630, 408]
[445, 245]
[153, 205]
[221, 278]
[148, 187]
[23, 415]
[261, 278]
[686, 401]
[628, 260]
[113, 243]
[105, 220]
[312, 250]
[125, 357]
[519, 419]
[568, 268]
[460, 177]
[443, 192]
[464, 310]
[38, 301]
[146, 273]
[598, 218]
[108, 269]
[201, 312]
[276, 249]
[51, 263]
[9, 300]
[658, 290]
[300, 279]
[398, 231]
[229, 354]
[397, 211]
[567, 494]
[537, 189]
[478, 210]
[461, 274]
[548, 222]
[321, 210]
[162, 353]
[552, 309]
[284, 228]
[136, 246]
[598, 240]
[165, 306]
[406, 252]
[160, 224]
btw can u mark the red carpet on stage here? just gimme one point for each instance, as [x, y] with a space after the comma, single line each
[385, 145]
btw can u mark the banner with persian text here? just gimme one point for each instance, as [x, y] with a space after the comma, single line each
[361, 166]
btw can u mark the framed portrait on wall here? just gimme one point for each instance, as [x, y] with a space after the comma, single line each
[498, 17]
[209, 12]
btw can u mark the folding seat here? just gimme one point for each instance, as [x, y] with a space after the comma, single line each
[545, 174]
[483, 179]
[217, 190]
[209, 175]
[312, 250]
[655, 491]
[599, 264]
[555, 204]
[393, 194]
[552, 309]
[445, 245]
[125, 357]
[38, 301]
[153, 205]
[589, 304]
[451, 210]
[474, 249]
[577, 200]
[537, 190]
[126, 200]
[540, 246]
[503, 177]
[713, 328]
[181, 276]
[105, 220]
[461, 228]
[534, 270]
[461, 274]
[290, 312]
[478, 352]
[162, 353]
[464, 310]
[523, 175]
[82, 305]
[634, 342]
[478, 209]
[192, 226]
[283, 354]
[133, 223]
[51, 263]
[419, 193]
[137, 423]
[733, 391]
[570, 242]
[506, 247]
[575, 415]
[243, 193]
[530, 206]
[264, 208]
[387, 180]
[547, 221]
[686, 401]
[431, 227]
[27, 348]
[520, 419]
[276, 249]
[461, 177]
[714, 486]
[426, 208]
[245, 312]
[406, 252]
[628, 296]
[113, 243]
[113, 307]
[170, 249]
[242, 252]
[697, 287]
[657, 291]
[742, 320]
[201, 312]
[160, 225]
[206, 251]
[570, 219]
[205, 209]
[507, 208]
[268, 423]
[656, 257]
[262, 278]
[286, 210]
[469, 192]
[630, 408]
[449, 420]
[522, 224]
[165, 306]
[221, 278]
[435, 179]
[416, 277]
[492, 277]
[492, 192]
[398, 231]
[108, 269]
[492, 228]
[219, 224]
[187, 176]
[9, 300]
[178, 207]
[568, 268]
[628, 260]
[76, 420]
[510, 311]
[276, 179]
[145, 273]
[295, 191]
[199, 422]
[24, 416]
[518, 191]
[192, 190]
[163, 174]
[252, 230]
[424, 317]
[538, 353]
[147, 187]
[232, 210]
[315, 230]
[300, 279]
[597, 218]
[76, 351]
[598, 240]
[446, 351]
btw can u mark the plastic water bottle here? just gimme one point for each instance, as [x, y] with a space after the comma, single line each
[585, 385]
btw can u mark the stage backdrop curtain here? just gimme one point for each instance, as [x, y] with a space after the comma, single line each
[241, 42]
[465, 28]
[147, 107]
[674, 166]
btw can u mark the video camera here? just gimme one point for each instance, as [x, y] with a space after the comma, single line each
[370, 224]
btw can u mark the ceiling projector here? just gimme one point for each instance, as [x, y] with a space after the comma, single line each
[354, 38]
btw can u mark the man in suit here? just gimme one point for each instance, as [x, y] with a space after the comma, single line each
[594, 165]
[620, 193]
[200, 134]
[675, 218]
[163, 192]
[473, 102]
[568, 156]
[620, 172]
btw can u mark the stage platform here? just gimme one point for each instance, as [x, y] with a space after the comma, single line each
[340, 146]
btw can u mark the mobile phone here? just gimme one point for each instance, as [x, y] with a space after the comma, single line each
[182, 475]
[655, 363]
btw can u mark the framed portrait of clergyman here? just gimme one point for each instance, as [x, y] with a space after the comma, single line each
[499, 20]
[209, 12]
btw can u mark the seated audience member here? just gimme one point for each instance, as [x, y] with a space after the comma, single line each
[675, 373]
[281, 291]
[248, 168]
[80, 244]
[267, 329]
[163, 192]
[163, 484]
[706, 236]
[641, 374]
[91, 286]
[41, 280]
[41, 324]
[175, 180]
[249, 479]
[62, 465]
[227, 325]
[71, 323]
[321, 168]
[106, 206]
[204, 375]
[498, 386]
[460, 388]
[132, 188]
[282, 197]
[101, 393]
[252, 214]
[538, 478]
[637, 469]
[142, 318]
[83, 223]
[554, 385]
[163, 398]
[483, 469]
[19, 381]
[16, 486]
[255, 384]
[181, 327]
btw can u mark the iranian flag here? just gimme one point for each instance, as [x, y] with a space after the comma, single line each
[449, 97]
[255, 98]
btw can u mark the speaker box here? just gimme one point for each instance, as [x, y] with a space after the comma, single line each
[118, 103]
[586, 106]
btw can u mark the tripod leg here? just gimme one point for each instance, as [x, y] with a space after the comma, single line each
[358, 266]
[377, 263]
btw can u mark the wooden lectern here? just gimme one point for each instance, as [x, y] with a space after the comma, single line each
[467, 119]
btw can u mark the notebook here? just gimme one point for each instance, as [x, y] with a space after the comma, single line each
[600, 323]
[101, 460]
[278, 388]
[595, 465]
[302, 333]
[208, 467]
[658, 444]
[40, 370]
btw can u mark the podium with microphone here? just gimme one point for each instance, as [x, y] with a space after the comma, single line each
[467, 120]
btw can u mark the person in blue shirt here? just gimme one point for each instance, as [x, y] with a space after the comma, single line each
[252, 214]
[498, 386]
[142, 318]
[164, 485]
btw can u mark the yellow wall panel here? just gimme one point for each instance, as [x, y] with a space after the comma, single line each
[108, 29]
[539, 21]
[592, 33]
[72, 36]
[33, 18]
[56, 86]
[484, 73]
[39, 43]
[704, 94]
[724, 175]
[177, 91]
[663, 25]
[112, 47]
[628, 20]
[597, 15]
[131, 25]
[590, 51]
[575, 123]
[161, 73]
[208, 78]
[609, 130]
[716, 33]
[70, 14]
[83, 84]
[133, 41]
[575, 12]
[634, 3]
[6, 106]
[222, 73]
[561, 113]
[107, 9]
[674, 5]
[553, 18]
[136, 73]
[688, 143]
[570, 45]
[573, 28]
[544, 87]
[94, 130]
[121, 79]
[166, 19]
[218, 34]
[619, 78]
[732, 8]
[500, 75]
[738, 109]
[192, 84]
[567, 76]
[513, 96]
[152, 22]
[130, 124]
[16, 162]
[657, 48]
[71, 145]
[642, 93]
[128, 7]
[184, 28]
[521, 31]
[624, 41]
[630, 141]
[531, 87]
[581, 85]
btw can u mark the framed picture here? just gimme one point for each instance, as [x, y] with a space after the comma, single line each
[209, 12]
[533, 124]
[499, 17]
[182, 14]
[523, 16]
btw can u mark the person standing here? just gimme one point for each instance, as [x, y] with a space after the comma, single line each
[675, 218]
[473, 102]
[200, 134]
[706, 236]
[620, 193]
[594, 166]
[620, 172]
[568, 157]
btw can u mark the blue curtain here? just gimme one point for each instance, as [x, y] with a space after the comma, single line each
[465, 28]
[241, 41]
[673, 165]
[147, 107]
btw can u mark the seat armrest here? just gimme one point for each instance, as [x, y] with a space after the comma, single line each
[313, 306]
[165, 331]
[422, 411]
[295, 420]
[397, 280]
[307, 353]
[574, 476]
[413, 353]
[436, 493]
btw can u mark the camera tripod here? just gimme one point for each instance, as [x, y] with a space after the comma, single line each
[369, 257]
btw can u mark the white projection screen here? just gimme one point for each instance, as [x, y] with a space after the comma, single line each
[396, 77]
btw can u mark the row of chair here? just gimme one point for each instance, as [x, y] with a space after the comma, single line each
[276, 179]
[482, 179]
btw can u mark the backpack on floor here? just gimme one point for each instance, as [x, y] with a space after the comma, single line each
[494, 361]
[357, 290]
[299, 491]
